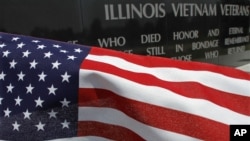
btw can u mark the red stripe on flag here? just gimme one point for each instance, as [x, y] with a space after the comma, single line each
[187, 89]
[149, 61]
[159, 117]
[118, 133]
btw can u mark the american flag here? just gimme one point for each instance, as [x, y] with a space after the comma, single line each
[52, 90]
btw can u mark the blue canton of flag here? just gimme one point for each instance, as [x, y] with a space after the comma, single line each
[39, 94]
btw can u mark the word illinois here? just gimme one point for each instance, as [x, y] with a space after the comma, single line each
[132, 11]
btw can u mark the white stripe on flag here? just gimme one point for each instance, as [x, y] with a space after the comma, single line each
[115, 117]
[86, 138]
[160, 97]
[207, 78]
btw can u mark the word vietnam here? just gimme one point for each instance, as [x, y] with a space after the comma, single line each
[193, 9]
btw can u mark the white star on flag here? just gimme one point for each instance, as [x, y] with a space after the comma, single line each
[29, 89]
[65, 124]
[65, 103]
[78, 50]
[10, 87]
[13, 64]
[18, 101]
[20, 76]
[41, 46]
[26, 53]
[52, 90]
[56, 46]
[1, 100]
[40, 126]
[2, 75]
[7, 112]
[35, 41]
[16, 126]
[2, 45]
[72, 57]
[15, 38]
[33, 64]
[55, 65]
[42, 76]
[20, 45]
[6, 53]
[48, 54]
[27, 114]
[39, 102]
[65, 77]
[52, 114]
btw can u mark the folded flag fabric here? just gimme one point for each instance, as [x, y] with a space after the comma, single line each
[51, 90]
